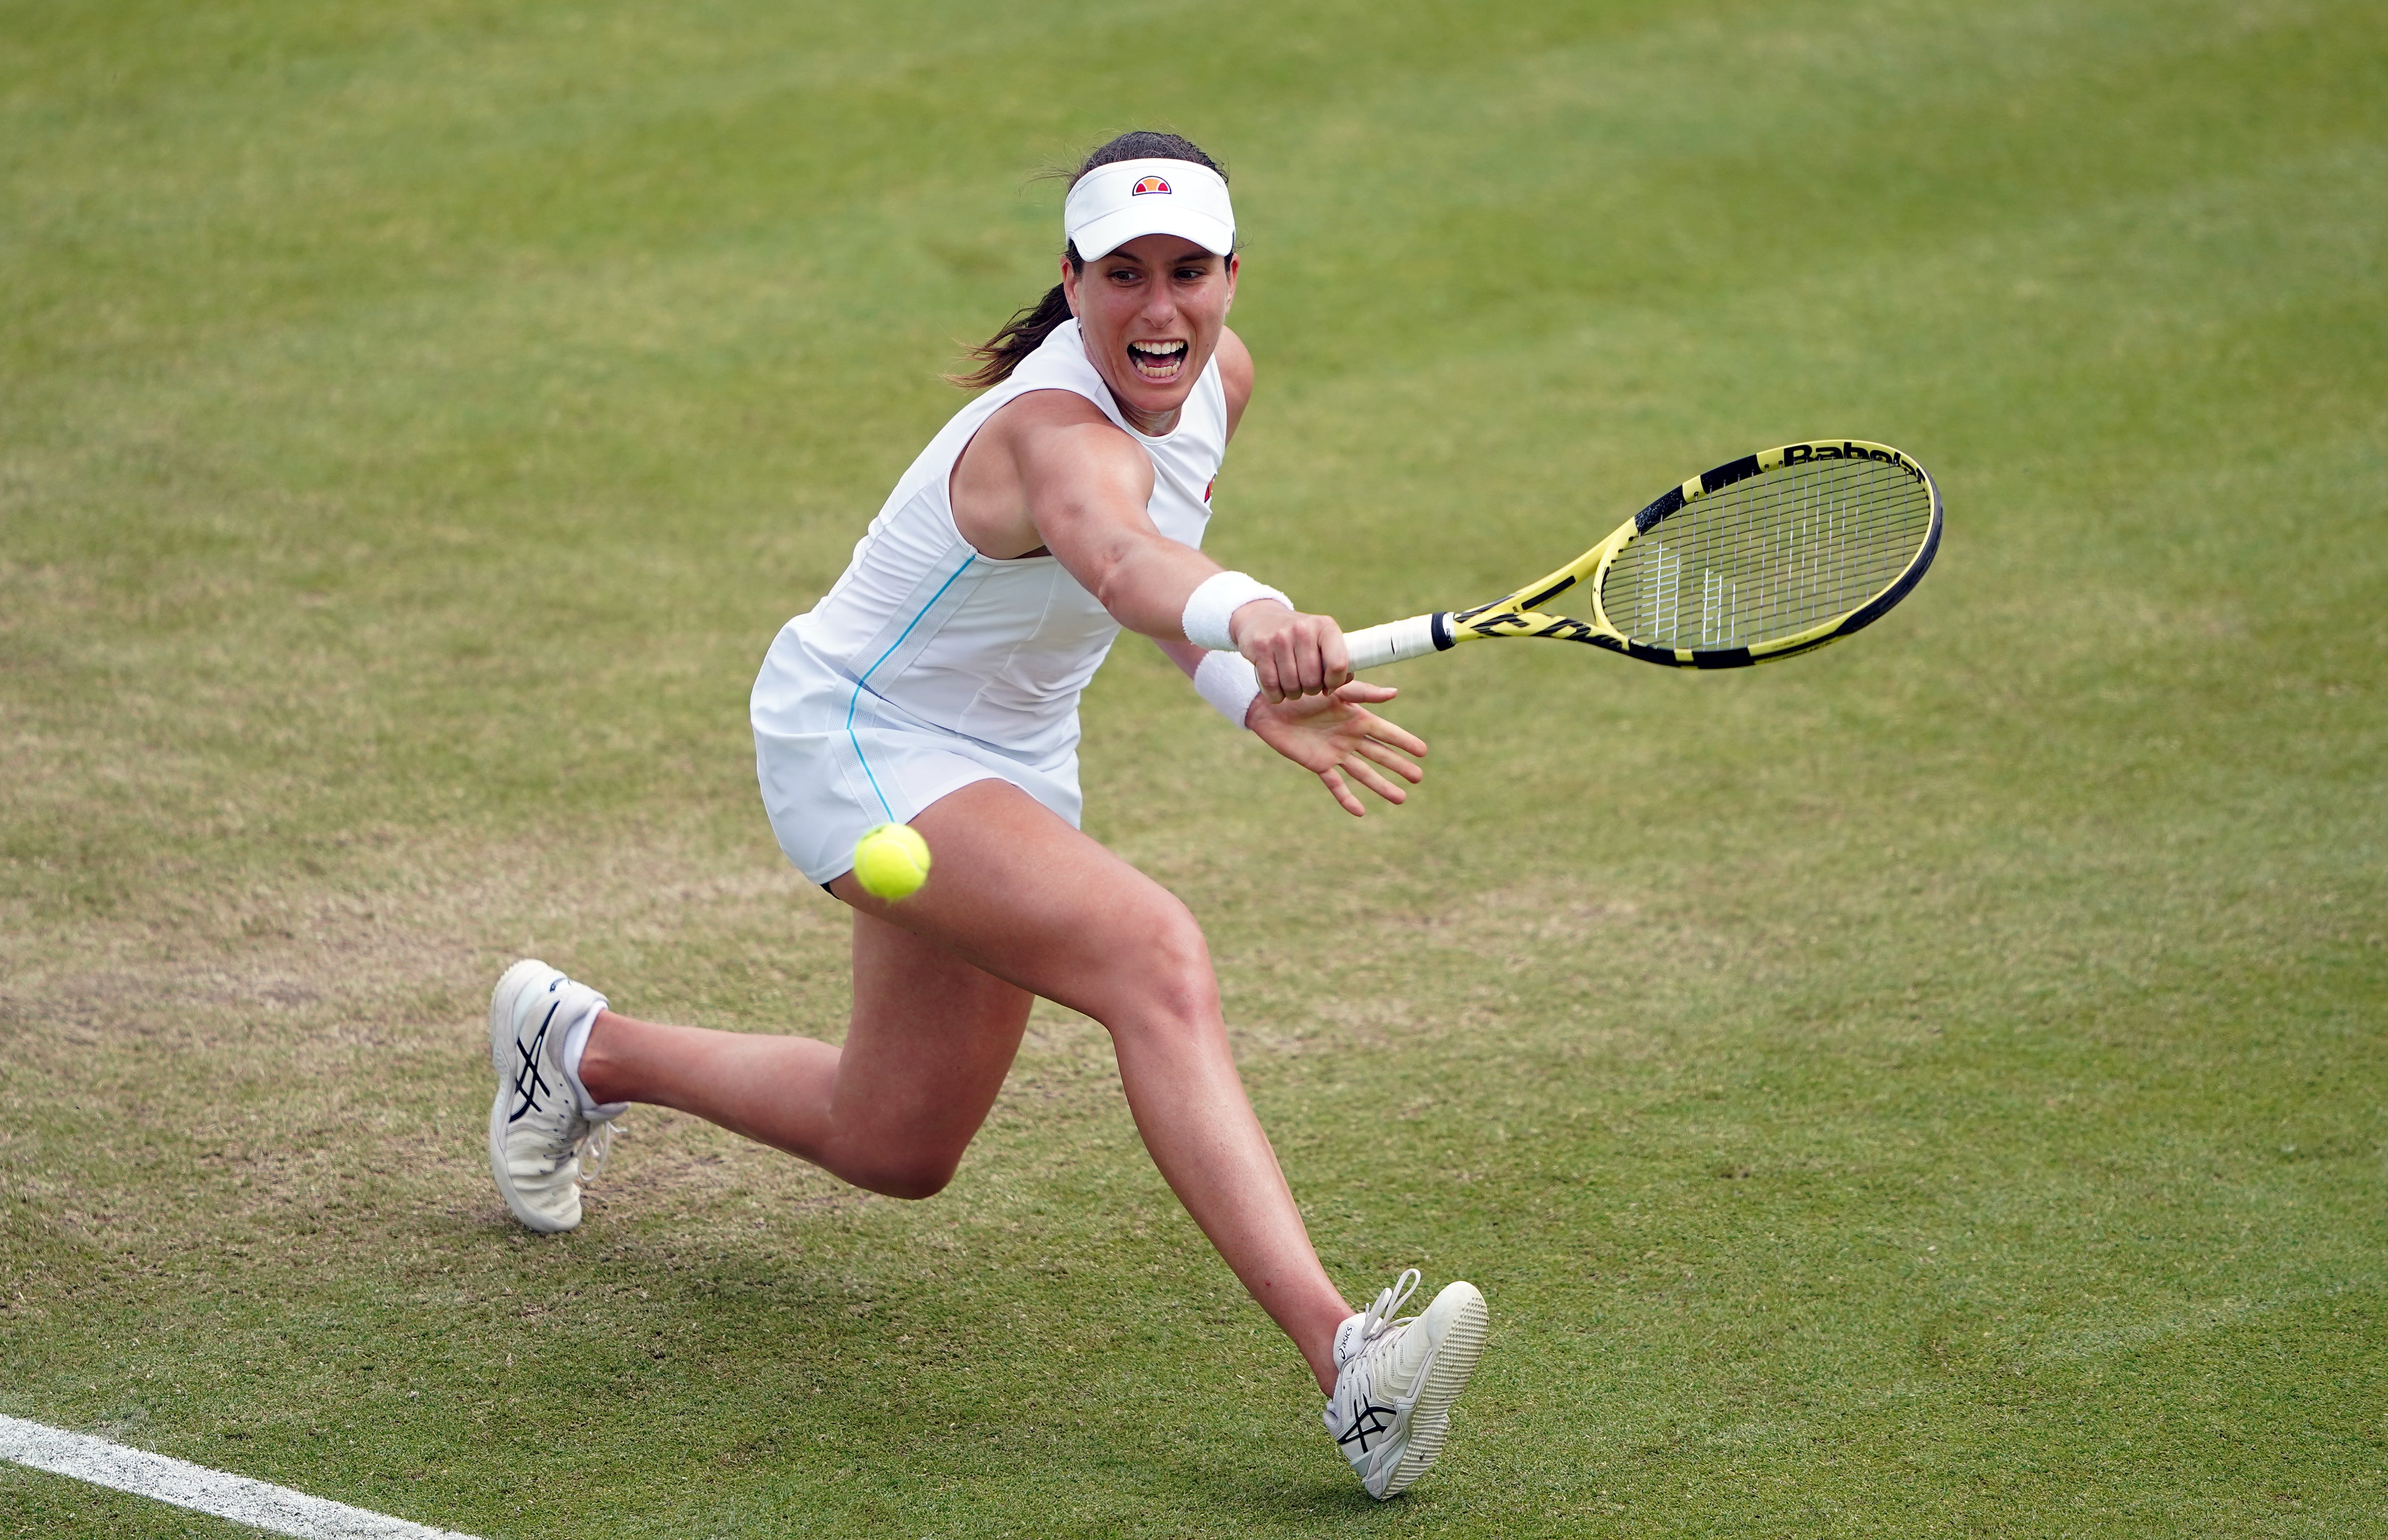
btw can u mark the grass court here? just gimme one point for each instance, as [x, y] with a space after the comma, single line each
[1933, 1088]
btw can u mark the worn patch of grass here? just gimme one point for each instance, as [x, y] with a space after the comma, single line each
[1934, 1087]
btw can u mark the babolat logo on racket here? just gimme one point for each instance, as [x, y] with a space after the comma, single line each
[1148, 185]
[1799, 454]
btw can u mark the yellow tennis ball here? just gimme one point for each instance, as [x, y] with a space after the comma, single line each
[891, 861]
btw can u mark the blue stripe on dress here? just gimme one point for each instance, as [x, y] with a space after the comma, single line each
[857, 699]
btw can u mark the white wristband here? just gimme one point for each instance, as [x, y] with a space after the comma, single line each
[1215, 600]
[1228, 681]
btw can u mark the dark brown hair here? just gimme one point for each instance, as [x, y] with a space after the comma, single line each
[1026, 331]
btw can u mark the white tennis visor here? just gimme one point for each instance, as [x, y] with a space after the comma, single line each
[1112, 205]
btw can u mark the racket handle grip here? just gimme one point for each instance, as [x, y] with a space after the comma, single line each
[1397, 640]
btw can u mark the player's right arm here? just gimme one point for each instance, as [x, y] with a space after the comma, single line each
[1049, 471]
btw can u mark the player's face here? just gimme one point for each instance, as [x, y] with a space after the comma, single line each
[1152, 313]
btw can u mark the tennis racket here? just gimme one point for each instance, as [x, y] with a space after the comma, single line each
[1765, 557]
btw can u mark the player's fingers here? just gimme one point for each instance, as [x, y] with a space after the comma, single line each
[1394, 733]
[1283, 678]
[1311, 662]
[1292, 678]
[1343, 794]
[1385, 755]
[1392, 759]
[1264, 669]
[1366, 773]
[1360, 691]
[1334, 655]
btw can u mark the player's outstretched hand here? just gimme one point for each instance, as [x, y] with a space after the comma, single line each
[1337, 738]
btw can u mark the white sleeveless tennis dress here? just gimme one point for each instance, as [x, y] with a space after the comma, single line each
[929, 666]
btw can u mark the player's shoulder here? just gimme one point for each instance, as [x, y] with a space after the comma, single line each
[1038, 425]
[1049, 408]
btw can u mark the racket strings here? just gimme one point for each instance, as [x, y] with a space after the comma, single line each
[1770, 557]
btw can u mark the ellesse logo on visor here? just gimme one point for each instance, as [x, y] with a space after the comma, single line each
[1148, 184]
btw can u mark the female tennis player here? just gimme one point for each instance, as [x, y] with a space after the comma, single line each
[937, 684]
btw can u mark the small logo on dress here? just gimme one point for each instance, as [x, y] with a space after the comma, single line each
[1148, 185]
[1206, 491]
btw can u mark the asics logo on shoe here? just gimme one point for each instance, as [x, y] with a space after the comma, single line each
[529, 1084]
[1370, 1422]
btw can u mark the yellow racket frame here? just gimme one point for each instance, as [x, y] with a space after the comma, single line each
[1516, 614]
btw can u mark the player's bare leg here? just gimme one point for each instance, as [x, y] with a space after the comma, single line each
[1028, 905]
[1023, 895]
[892, 1110]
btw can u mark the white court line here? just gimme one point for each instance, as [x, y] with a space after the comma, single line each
[259, 1504]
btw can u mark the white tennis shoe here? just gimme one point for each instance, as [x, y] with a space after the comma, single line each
[1395, 1381]
[539, 1133]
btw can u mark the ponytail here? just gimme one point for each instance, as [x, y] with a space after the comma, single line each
[1020, 337]
[1028, 330]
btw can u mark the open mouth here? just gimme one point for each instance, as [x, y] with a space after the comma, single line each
[1157, 360]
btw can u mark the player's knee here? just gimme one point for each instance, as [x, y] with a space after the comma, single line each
[917, 1182]
[1170, 970]
[911, 1177]
[910, 1171]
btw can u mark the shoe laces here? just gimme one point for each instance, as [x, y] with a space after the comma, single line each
[1376, 1320]
[1378, 1330]
[594, 1146]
